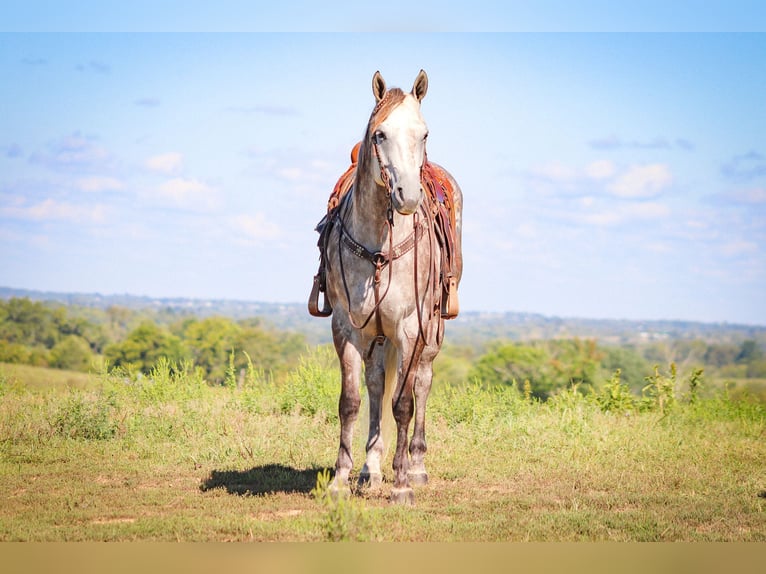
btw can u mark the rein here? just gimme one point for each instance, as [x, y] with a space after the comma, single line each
[380, 259]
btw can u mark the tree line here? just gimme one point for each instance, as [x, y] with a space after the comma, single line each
[83, 339]
[38, 334]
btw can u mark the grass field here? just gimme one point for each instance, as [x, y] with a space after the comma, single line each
[166, 458]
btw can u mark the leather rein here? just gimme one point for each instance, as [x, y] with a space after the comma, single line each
[380, 259]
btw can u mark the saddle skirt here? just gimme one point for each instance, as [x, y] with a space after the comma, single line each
[440, 194]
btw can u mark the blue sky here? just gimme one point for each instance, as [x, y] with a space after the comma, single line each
[605, 175]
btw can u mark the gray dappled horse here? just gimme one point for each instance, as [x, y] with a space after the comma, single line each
[385, 272]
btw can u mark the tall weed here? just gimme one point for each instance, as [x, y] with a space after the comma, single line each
[659, 392]
[475, 402]
[615, 396]
[343, 518]
[166, 382]
[89, 418]
[313, 387]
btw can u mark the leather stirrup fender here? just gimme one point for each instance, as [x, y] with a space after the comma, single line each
[313, 305]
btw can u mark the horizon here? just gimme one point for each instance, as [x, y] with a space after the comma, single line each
[605, 175]
[302, 304]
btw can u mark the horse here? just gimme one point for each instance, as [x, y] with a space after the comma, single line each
[391, 264]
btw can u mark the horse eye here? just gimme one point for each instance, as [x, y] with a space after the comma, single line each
[378, 137]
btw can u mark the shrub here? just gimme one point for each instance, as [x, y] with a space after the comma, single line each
[313, 387]
[89, 419]
[615, 395]
[343, 518]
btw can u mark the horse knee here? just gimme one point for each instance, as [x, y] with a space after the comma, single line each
[348, 407]
[418, 445]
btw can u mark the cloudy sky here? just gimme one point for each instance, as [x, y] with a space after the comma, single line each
[605, 175]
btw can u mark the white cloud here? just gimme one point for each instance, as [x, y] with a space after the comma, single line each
[742, 247]
[97, 184]
[166, 163]
[642, 181]
[183, 191]
[750, 196]
[52, 210]
[599, 170]
[73, 152]
[255, 228]
[555, 172]
[614, 214]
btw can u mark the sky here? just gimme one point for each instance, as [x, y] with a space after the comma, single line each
[605, 174]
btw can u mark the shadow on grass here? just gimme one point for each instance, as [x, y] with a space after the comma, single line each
[266, 479]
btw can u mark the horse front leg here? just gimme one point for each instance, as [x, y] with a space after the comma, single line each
[374, 372]
[403, 407]
[348, 410]
[417, 472]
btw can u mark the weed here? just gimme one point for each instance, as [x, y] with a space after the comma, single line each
[313, 387]
[230, 380]
[659, 392]
[615, 396]
[695, 383]
[81, 418]
[474, 402]
[343, 518]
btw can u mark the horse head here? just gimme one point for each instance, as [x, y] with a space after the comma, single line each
[395, 142]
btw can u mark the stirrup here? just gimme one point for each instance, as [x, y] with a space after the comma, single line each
[450, 303]
[314, 310]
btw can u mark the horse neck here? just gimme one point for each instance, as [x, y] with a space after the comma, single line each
[368, 217]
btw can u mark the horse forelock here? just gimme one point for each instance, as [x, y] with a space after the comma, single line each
[390, 100]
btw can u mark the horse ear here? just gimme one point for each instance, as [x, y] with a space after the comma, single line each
[420, 87]
[378, 87]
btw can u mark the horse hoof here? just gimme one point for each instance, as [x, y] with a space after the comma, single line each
[418, 478]
[403, 496]
[373, 480]
[339, 491]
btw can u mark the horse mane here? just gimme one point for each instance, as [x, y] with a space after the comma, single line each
[382, 110]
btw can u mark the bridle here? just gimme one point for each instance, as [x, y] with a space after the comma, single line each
[381, 259]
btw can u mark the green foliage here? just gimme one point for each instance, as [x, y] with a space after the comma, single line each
[72, 353]
[343, 519]
[506, 364]
[659, 392]
[615, 396]
[633, 367]
[144, 347]
[166, 381]
[313, 388]
[695, 384]
[547, 365]
[474, 403]
[83, 417]
[209, 343]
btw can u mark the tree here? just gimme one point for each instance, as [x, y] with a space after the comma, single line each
[144, 346]
[209, 343]
[72, 353]
[513, 364]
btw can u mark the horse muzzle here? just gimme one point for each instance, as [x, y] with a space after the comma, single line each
[404, 202]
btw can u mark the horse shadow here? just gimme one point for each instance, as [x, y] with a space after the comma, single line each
[264, 479]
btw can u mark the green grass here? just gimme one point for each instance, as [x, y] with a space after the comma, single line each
[168, 457]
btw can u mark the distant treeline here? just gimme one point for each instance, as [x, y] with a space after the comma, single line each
[86, 338]
[83, 339]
